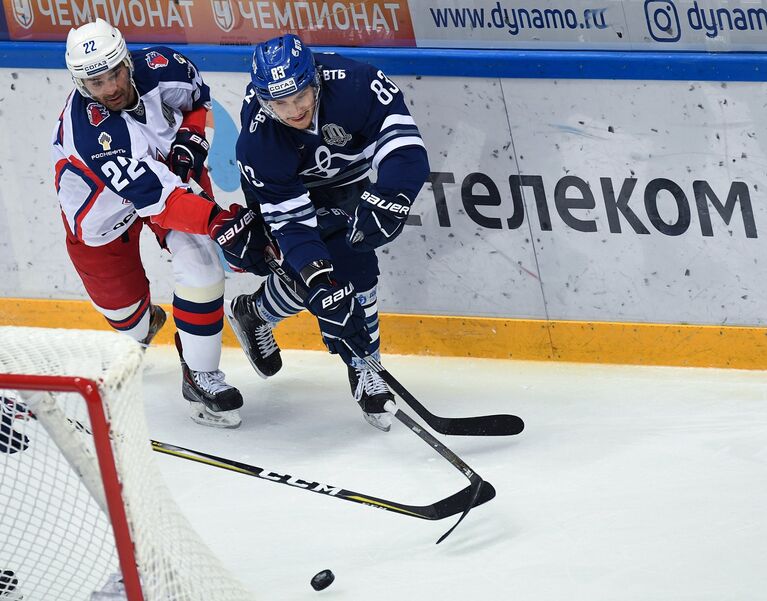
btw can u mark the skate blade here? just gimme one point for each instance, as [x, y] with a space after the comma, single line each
[382, 421]
[240, 335]
[214, 419]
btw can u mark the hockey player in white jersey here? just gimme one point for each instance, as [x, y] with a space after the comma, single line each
[129, 137]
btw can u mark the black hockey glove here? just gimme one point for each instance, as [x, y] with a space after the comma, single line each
[187, 154]
[340, 316]
[242, 236]
[377, 220]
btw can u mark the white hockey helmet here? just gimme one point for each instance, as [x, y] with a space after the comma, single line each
[93, 49]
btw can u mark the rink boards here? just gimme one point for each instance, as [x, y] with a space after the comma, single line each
[564, 218]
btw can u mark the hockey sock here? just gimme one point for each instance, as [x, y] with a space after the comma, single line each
[199, 326]
[132, 320]
[368, 299]
[277, 301]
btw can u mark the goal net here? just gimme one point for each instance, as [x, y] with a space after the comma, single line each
[82, 503]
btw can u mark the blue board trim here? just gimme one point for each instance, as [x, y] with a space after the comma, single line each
[548, 64]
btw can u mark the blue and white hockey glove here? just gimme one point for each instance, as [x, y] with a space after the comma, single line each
[377, 220]
[340, 316]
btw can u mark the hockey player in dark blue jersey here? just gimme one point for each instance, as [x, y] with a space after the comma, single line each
[314, 126]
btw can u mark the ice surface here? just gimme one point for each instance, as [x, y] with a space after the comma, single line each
[629, 483]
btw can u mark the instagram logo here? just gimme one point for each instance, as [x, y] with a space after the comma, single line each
[662, 20]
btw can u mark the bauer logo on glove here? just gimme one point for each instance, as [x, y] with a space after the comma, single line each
[377, 220]
[199, 140]
[233, 230]
[188, 154]
[337, 296]
[386, 205]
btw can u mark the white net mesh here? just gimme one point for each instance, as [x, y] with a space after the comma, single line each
[53, 535]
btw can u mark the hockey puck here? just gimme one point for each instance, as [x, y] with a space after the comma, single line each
[322, 580]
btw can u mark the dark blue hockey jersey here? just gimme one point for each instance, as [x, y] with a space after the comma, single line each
[362, 125]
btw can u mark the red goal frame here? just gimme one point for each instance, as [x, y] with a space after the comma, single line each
[89, 390]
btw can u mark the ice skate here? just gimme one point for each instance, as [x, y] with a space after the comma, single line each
[157, 319]
[372, 393]
[214, 402]
[254, 333]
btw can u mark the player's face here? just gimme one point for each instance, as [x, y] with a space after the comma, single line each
[296, 110]
[113, 89]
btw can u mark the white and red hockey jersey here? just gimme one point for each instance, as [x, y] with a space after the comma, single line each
[110, 166]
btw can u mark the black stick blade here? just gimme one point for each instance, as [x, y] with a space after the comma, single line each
[482, 425]
[485, 425]
[477, 494]
[455, 504]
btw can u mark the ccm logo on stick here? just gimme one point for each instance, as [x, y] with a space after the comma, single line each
[385, 205]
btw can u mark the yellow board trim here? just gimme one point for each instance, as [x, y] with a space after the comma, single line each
[530, 339]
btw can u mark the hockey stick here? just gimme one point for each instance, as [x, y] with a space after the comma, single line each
[481, 425]
[477, 493]
[443, 508]
[476, 482]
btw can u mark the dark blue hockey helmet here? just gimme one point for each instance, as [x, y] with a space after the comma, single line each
[281, 67]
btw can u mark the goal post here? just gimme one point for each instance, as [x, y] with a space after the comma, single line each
[81, 495]
[103, 483]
